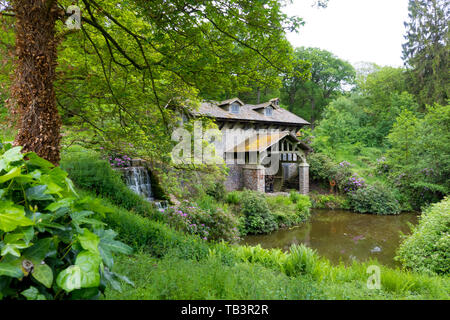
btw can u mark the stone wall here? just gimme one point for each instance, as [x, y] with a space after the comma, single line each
[234, 180]
[254, 178]
[303, 178]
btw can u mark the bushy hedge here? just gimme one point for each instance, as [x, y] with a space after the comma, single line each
[205, 218]
[154, 237]
[256, 214]
[323, 169]
[427, 249]
[375, 198]
[88, 171]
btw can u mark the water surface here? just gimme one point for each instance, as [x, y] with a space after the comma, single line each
[343, 235]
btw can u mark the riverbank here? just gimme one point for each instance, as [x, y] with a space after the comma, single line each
[169, 265]
[343, 236]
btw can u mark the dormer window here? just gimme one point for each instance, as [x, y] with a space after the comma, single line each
[268, 111]
[275, 102]
[234, 108]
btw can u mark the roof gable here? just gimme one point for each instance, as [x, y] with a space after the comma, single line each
[249, 112]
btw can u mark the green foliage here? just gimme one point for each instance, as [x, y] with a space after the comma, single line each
[175, 278]
[426, 50]
[233, 197]
[427, 249]
[217, 191]
[419, 160]
[153, 237]
[90, 172]
[128, 89]
[256, 213]
[375, 198]
[53, 244]
[323, 169]
[206, 218]
[193, 266]
[307, 96]
[289, 210]
[345, 282]
[330, 201]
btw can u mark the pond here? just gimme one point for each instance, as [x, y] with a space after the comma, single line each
[341, 235]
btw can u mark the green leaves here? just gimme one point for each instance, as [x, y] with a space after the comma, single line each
[38, 193]
[9, 156]
[108, 245]
[44, 274]
[12, 243]
[47, 233]
[12, 216]
[84, 274]
[89, 241]
[10, 270]
[33, 294]
[70, 278]
[14, 172]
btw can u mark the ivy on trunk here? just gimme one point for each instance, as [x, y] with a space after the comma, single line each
[33, 92]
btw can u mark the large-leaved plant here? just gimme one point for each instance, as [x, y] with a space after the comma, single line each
[53, 244]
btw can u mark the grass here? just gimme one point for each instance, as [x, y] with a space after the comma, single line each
[7, 134]
[175, 278]
[363, 160]
[171, 265]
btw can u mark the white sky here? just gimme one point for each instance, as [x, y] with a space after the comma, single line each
[354, 30]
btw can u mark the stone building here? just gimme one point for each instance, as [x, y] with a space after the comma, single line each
[259, 145]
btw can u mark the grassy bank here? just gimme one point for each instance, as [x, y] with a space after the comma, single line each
[171, 265]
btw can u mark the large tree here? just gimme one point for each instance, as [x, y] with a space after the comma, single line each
[329, 76]
[170, 49]
[426, 51]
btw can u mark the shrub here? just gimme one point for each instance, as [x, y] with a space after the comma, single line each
[233, 197]
[375, 198]
[217, 191]
[153, 237]
[353, 183]
[256, 213]
[207, 220]
[330, 201]
[322, 168]
[291, 210]
[53, 246]
[427, 249]
[303, 206]
[89, 172]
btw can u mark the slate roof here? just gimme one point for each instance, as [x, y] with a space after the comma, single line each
[248, 113]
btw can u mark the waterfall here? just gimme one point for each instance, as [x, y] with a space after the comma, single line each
[138, 180]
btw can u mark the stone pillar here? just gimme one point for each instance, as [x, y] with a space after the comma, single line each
[303, 178]
[254, 178]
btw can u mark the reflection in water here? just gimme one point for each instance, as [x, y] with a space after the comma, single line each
[343, 235]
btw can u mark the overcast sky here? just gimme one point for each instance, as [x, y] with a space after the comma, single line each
[354, 30]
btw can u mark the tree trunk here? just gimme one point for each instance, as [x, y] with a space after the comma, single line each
[258, 95]
[292, 93]
[35, 64]
[313, 110]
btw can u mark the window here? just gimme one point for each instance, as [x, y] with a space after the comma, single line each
[235, 108]
[269, 111]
